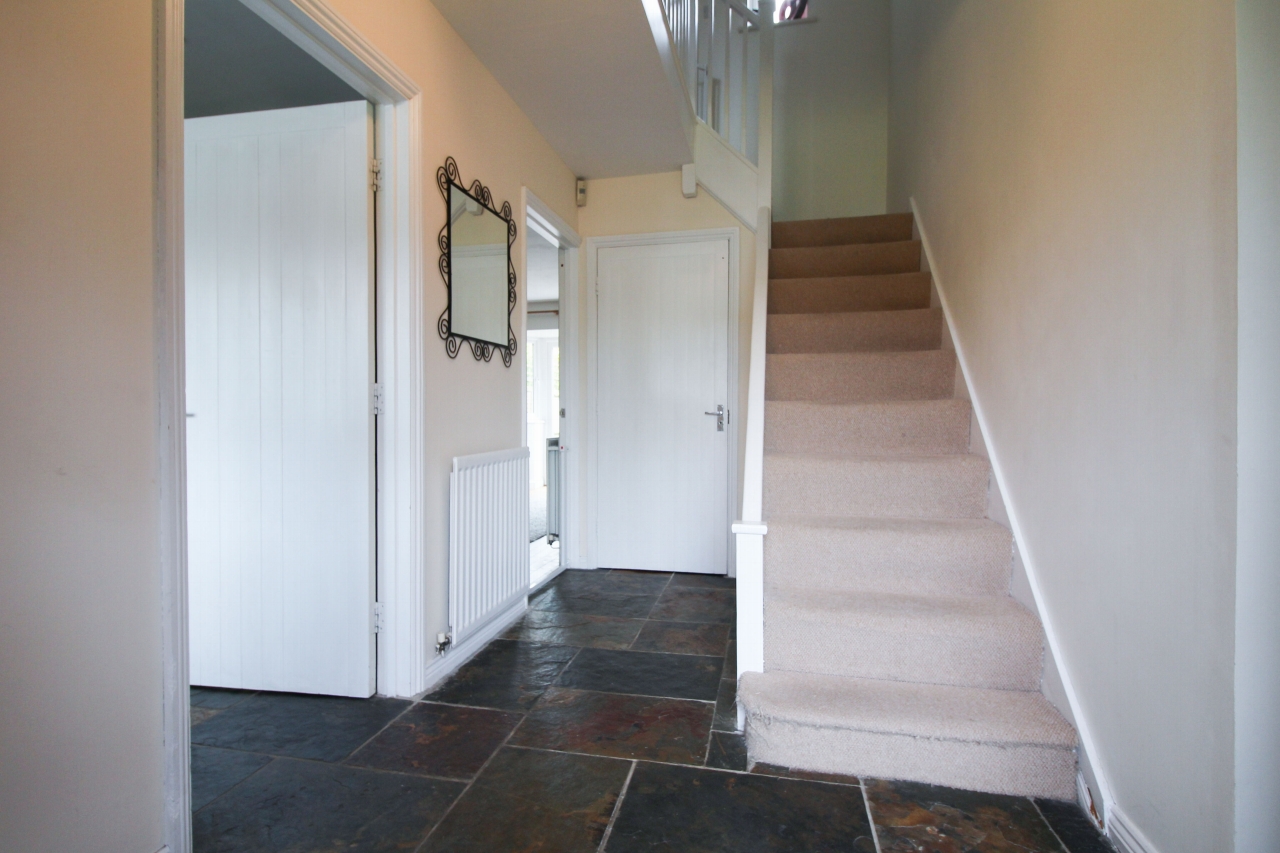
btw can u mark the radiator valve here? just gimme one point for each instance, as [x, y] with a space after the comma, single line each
[443, 642]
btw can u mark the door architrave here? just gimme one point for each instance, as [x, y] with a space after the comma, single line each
[592, 247]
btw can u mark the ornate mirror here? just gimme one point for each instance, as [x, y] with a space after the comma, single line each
[475, 261]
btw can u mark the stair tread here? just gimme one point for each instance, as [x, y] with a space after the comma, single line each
[883, 292]
[840, 358]
[952, 486]
[910, 329]
[904, 459]
[904, 525]
[898, 314]
[869, 405]
[923, 615]
[916, 556]
[894, 426]
[898, 256]
[929, 711]
[851, 280]
[860, 377]
[839, 230]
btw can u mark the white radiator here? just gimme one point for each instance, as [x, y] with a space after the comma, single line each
[488, 538]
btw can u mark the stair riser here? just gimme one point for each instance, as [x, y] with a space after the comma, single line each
[1018, 770]
[857, 293]
[859, 259]
[860, 378]
[866, 331]
[973, 561]
[933, 428]
[943, 487]
[1005, 656]
[833, 232]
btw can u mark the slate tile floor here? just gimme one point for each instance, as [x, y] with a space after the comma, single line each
[604, 720]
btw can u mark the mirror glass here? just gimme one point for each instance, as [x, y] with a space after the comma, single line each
[477, 270]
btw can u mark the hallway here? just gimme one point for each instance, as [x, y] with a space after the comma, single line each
[602, 721]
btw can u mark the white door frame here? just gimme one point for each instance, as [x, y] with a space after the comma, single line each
[592, 247]
[321, 32]
[571, 425]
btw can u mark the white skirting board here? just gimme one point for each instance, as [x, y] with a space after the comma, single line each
[1125, 835]
[454, 657]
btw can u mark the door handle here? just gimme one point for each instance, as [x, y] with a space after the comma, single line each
[719, 414]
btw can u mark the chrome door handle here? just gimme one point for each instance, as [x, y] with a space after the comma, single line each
[719, 414]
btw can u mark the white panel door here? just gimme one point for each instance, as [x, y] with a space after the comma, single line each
[662, 363]
[279, 362]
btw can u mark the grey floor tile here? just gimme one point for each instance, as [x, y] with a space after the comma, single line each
[1073, 827]
[295, 806]
[696, 810]
[214, 771]
[506, 675]
[324, 728]
[728, 751]
[645, 673]
[530, 800]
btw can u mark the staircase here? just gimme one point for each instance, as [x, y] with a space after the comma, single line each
[892, 647]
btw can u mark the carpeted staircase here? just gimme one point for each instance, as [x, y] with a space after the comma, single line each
[892, 646]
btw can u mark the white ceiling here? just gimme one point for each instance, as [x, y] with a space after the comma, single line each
[587, 73]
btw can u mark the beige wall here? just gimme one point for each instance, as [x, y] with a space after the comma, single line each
[831, 111]
[80, 675]
[471, 407]
[1074, 163]
[645, 204]
[1258, 523]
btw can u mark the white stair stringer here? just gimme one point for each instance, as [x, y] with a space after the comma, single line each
[1002, 741]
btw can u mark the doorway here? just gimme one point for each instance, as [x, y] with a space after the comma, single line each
[547, 257]
[663, 379]
[363, 72]
[280, 263]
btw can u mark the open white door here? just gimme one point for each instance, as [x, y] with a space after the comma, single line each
[279, 358]
[662, 369]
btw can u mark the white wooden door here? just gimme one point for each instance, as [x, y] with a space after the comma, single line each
[662, 363]
[279, 423]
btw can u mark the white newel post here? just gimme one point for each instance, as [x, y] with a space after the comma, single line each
[749, 531]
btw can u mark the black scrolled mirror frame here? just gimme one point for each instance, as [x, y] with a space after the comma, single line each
[446, 176]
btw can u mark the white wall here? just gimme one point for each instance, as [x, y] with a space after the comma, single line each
[1074, 164]
[831, 111]
[1257, 747]
[80, 668]
[471, 406]
[542, 269]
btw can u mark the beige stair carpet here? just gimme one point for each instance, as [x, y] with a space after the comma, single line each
[908, 427]
[892, 645]
[849, 293]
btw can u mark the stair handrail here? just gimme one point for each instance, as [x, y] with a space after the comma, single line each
[750, 530]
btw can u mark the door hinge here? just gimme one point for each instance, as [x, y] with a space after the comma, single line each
[379, 617]
[375, 174]
[378, 401]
